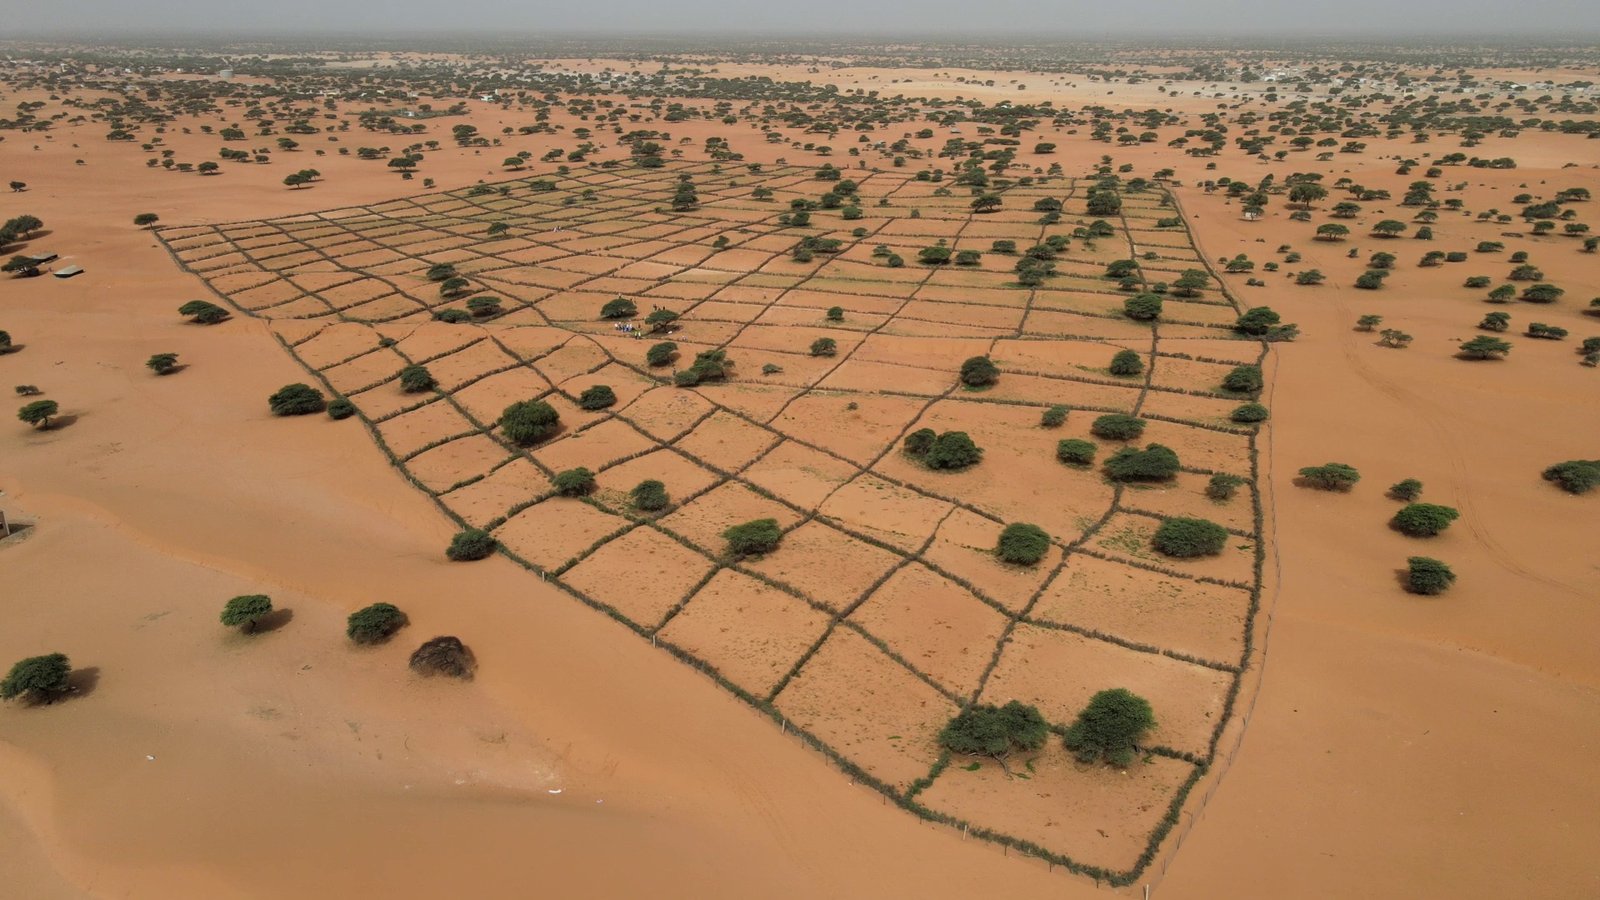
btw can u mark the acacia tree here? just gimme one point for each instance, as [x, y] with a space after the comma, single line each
[1110, 727]
[245, 611]
[997, 731]
[38, 413]
[38, 679]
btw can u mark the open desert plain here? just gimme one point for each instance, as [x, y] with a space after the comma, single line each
[607, 467]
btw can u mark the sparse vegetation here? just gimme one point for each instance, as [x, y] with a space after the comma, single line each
[444, 655]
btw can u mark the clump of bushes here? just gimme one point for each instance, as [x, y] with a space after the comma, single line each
[443, 655]
[1223, 486]
[341, 408]
[1407, 489]
[661, 354]
[1142, 307]
[415, 379]
[1023, 544]
[711, 365]
[952, 450]
[38, 679]
[573, 482]
[650, 496]
[1076, 452]
[374, 624]
[1575, 476]
[1154, 463]
[824, 346]
[528, 421]
[979, 371]
[1054, 417]
[1186, 538]
[243, 612]
[296, 400]
[996, 731]
[203, 312]
[1330, 477]
[472, 544]
[160, 363]
[753, 538]
[1243, 380]
[1428, 576]
[1110, 727]
[1117, 427]
[1424, 519]
[1249, 414]
[620, 308]
[1127, 363]
[598, 397]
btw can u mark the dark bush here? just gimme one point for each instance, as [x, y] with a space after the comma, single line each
[341, 408]
[243, 612]
[1110, 727]
[296, 400]
[1054, 417]
[1127, 363]
[573, 482]
[824, 347]
[1331, 476]
[919, 442]
[1428, 576]
[472, 544]
[753, 538]
[160, 363]
[528, 421]
[1424, 519]
[1075, 452]
[599, 396]
[1223, 486]
[1256, 321]
[952, 450]
[203, 312]
[1142, 307]
[1575, 476]
[995, 730]
[1153, 463]
[37, 679]
[620, 308]
[1407, 490]
[1249, 413]
[1023, 544]
[374, 624]
[1117, 427]
[1243, 380]
[650, 495]
[661, 354]
[416, 379]
[979, 371]
[1186, 538]
[443, 655]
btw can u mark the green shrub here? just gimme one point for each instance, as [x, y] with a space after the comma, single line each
[573, 482]
[161, 363]
[341, 408]
[1142, 307]
[528, 421]
[453, 316]
[1117, 427]
[203, 312]
[1243, 380]
[619, 308]
[472, 544]
[1023, 544]
[1249, 413]
[824, 347]
[979, 371]
[1428, 576]
[243, 612]
[650, 496]
[1484, 347]
[1186, 538]
[661, 354]
[443, 655]
[919, 442]
[1153, 463]
[1054, 417]
[38, 413]
[835, 314]
[416, 379]
[1223, 486]
[296, 400]
[1424, 519]
[952, 450]
[1256, 321]
[1575, 476]
[753, 538]
[1110, 727]
[374, 624]
[1407, 490]
[1330, 476]
[599, 396]
[1127, 363]
[1075, 452]
[37, 679]
[995, 730]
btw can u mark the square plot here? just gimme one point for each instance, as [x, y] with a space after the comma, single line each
[511, 485]
[727, 441]
[593, 447]
[935, 624]
[469, 364]
[1185, 496]
[705, 519]
[667, 413]
[486, 400]
[1058, 671]
[1189, 617]
[965, 547]
[411, 431]
[751, 633]
[1098, 815]
[826, 565]
[642, 574]
[861, 434]
[552, 532]
[869, 708]
[885, 511]
[1128, 536]
[800, 475]
[682, 477]
[450, 464]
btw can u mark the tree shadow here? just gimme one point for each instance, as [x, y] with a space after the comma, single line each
[174, 370]
[14, 348]
[273, 621]
[82, 682]
[66, 420]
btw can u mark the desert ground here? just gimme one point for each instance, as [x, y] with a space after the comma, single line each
[651, 714]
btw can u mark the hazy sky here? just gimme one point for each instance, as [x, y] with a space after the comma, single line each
[1575, 19]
